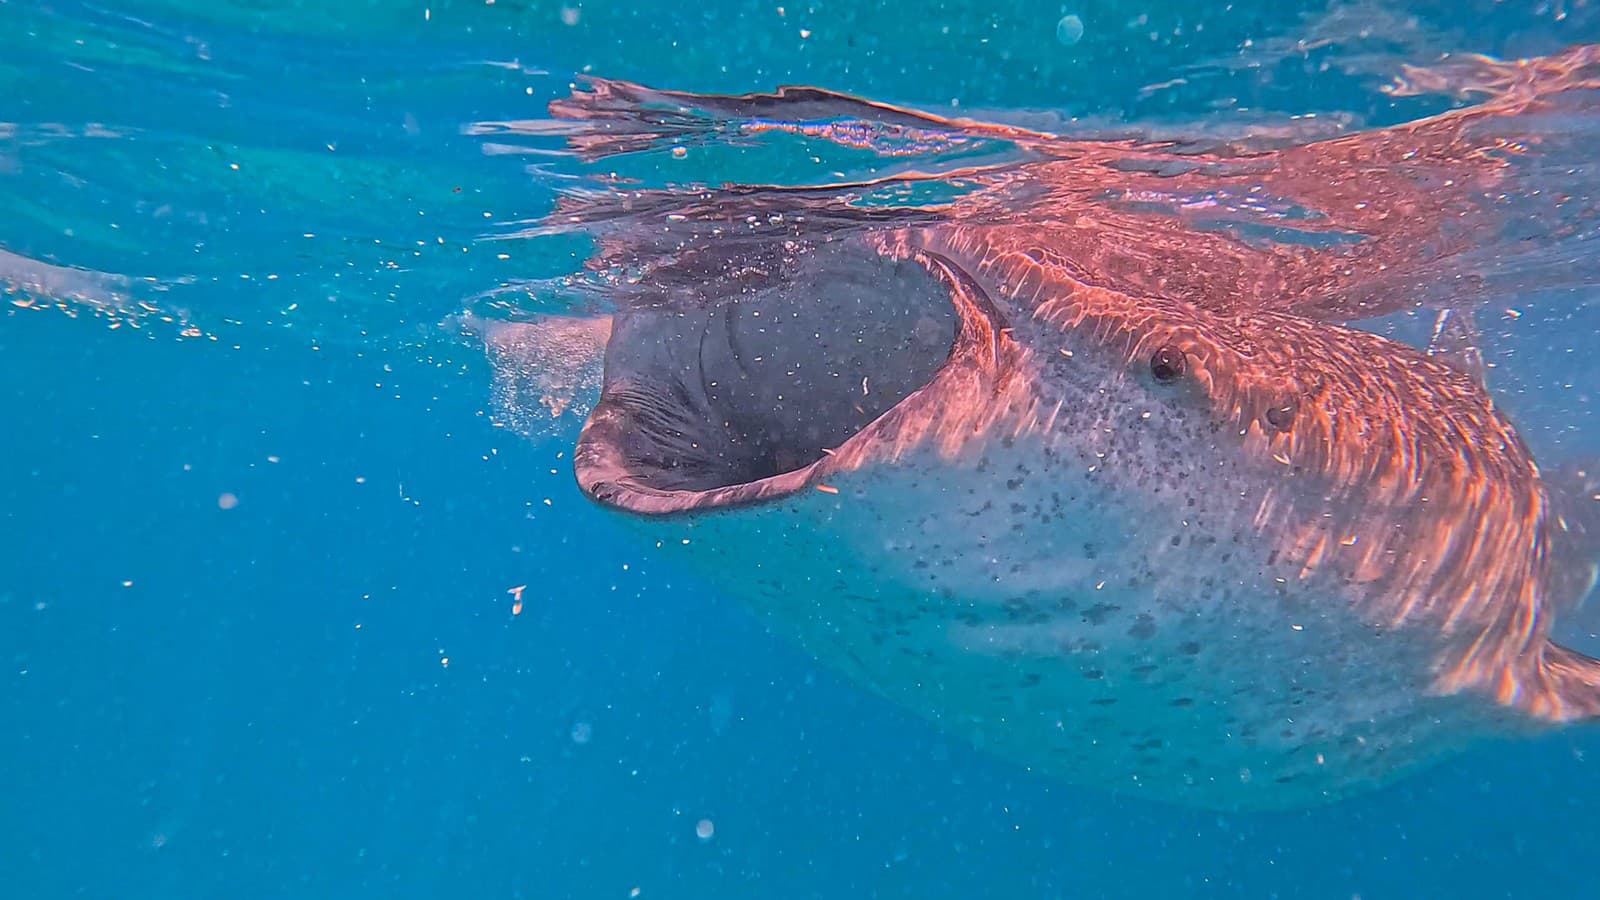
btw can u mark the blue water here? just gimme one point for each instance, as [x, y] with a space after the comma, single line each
[322, 691]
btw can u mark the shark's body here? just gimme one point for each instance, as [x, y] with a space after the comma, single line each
[1083, 646]
[1132, 518]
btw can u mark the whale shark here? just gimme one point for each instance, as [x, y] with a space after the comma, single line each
[1076, 445]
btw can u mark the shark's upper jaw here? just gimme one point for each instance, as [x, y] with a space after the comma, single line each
[740, 398]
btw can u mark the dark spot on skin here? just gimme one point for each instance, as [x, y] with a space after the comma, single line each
[1093, 674]
[1098, 613]
[1168, 364]
[1280, 416]
[1143, 626]
[1182, 701]
[1103, 701]
[1016, 608]
[1189, 648]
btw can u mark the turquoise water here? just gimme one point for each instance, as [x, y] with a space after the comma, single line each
[260, 519]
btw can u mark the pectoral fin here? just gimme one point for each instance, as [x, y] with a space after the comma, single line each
[1568, 687]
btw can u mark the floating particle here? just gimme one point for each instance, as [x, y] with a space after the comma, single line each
[569, 15]
[582, 732]
[227, 501]
[679, 152]
[1069, 30]
[703, 829]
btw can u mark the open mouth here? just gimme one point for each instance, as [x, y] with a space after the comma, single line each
[740, 398]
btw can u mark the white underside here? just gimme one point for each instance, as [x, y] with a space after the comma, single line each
[1075, 639]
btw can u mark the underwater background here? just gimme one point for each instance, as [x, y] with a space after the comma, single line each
[260, 521]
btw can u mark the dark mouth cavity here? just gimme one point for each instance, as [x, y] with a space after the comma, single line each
[767, 381]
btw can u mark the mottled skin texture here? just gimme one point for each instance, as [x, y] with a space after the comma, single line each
[1148, 518]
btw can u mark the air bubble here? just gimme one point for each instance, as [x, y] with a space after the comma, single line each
[1069, 30]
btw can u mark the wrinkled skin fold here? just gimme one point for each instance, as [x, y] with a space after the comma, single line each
[1080, 458]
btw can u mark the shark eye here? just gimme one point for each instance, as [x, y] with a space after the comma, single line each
[1280, 416]
[1168, 364]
